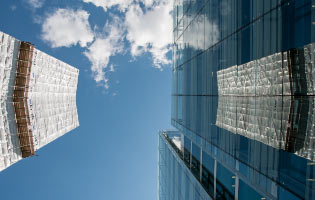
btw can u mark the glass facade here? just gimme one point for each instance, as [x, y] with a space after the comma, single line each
[176, 181]
[282, 122]
[235, 168]
[243, 97]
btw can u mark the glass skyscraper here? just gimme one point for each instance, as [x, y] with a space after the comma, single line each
[242, 101]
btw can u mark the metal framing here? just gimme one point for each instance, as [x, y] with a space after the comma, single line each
[20, 96]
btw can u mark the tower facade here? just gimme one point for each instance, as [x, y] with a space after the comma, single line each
[38, 99]
[243, 100]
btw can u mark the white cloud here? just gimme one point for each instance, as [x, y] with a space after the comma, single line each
[122, 5]
[199, 27]
[111, 68]
[148, 3]
[67, 27]
[38, 19]
[145, 24]
[149, 28]
[150, 31]
[13, 7]
[105, 46]
[106, 4]
[35, 3]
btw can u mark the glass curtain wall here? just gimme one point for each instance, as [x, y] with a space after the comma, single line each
[243, 96]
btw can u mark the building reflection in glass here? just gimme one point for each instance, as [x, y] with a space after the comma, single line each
[283, 122]
[242, 101]
[289, 72]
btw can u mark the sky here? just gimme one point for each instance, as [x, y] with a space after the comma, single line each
[123, 51]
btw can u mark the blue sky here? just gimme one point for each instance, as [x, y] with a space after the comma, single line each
[122, 49]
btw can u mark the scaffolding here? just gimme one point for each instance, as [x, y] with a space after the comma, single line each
[20, 97]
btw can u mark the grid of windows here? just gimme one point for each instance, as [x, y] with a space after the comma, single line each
[175, 180]
[204, 175]
[246, 48]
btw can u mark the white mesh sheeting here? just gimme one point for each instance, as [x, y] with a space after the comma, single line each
[9, 142]
[52, 98]
[259, 77]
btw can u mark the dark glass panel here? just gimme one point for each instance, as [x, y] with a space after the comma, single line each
[195, 162]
